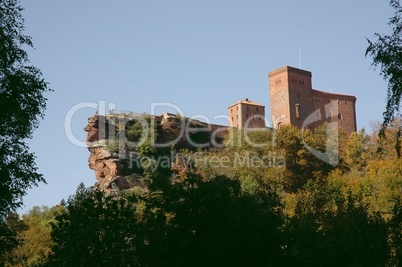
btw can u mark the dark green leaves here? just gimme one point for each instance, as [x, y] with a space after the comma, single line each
[22, 104]
[386, 52]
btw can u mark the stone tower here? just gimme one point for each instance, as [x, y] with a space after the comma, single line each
[246, 114]
[293, 101]
[291, 97]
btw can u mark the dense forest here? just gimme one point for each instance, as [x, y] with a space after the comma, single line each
[304, 213]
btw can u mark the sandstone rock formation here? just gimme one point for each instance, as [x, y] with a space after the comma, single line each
[109, 159]
[105, 163]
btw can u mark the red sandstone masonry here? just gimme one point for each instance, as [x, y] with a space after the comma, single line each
[246, 113]
[293, 100]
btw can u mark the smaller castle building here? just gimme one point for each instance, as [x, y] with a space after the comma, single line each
[246, 114]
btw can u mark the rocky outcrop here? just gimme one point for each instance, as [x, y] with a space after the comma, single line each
[108, 168]
[109, 159]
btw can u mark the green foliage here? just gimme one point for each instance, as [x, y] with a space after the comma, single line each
[22, 98]
[396, 233]
[192, 222]
[212, 223]
[140, 130]
[386, 52]
[35, 246]
[249, 185]
[355, 150]
[301, 164]
[331, 229]
[239, 215]
[305, 213]
[94, 230]
[9, 228]
[22, 101]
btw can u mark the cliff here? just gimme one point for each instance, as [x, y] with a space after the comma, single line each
[126, 149]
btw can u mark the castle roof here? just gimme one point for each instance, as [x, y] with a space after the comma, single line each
[289, 69]
[247, 102]
[333, 95]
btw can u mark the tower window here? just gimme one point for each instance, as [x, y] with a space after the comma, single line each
[247, 107]
[257, 109]
[297, 107]
[339, 116]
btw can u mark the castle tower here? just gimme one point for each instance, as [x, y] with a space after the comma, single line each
[293, 101]
[246, 114]
[291, 97]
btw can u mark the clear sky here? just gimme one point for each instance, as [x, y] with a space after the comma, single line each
[199, 55]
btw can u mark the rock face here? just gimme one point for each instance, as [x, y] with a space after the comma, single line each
[105, 163]
[110, 161]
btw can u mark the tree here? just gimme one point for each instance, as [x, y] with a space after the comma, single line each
[197, 222]
[34, 231]
[9, 229]
[22, 103]
[396, 233]
[95, 229]
[301, 164]
[331, 229]
[386, 52]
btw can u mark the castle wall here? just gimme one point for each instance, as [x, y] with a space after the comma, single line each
[233, 112]
[279, 94]
[343, 109]
[252, 116]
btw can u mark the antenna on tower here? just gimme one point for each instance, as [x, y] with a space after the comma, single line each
[300, 58]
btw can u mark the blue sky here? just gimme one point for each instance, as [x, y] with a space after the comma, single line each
[199, 55]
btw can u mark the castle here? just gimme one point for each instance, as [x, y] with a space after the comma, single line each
[295, 102]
